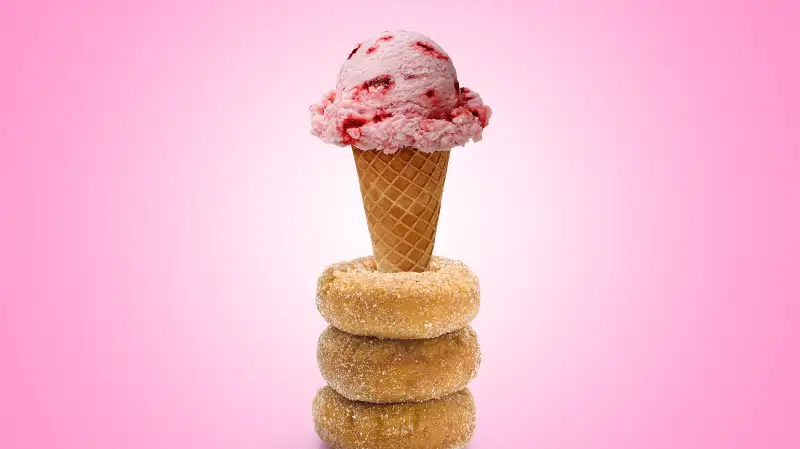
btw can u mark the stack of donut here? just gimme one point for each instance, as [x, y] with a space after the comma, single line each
[397, 356]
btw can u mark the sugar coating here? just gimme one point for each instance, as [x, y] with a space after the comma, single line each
[384, 371]
[446, 423]
[356, 298]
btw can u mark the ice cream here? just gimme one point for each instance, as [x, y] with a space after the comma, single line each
[399, 90]
[399, 105]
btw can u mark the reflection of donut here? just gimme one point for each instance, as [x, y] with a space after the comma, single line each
[380, 371]
[356, 298]
[445, 423]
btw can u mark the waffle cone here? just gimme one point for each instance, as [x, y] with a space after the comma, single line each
[402, 195]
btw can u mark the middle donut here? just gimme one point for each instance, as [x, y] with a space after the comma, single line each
[386, 371]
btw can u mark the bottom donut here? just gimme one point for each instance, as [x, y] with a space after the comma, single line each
[445, 423]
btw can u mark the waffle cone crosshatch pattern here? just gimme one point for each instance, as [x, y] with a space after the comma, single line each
[402, 195]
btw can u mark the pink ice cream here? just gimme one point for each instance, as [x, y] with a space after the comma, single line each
[399, 90]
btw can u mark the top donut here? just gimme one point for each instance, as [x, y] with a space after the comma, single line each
[356, 298]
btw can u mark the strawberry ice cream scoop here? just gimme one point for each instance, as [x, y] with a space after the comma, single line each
[399, 90]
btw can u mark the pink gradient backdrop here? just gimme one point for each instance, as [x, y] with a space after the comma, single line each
[632, 213]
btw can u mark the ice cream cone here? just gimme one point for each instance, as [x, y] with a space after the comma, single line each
[402, 194]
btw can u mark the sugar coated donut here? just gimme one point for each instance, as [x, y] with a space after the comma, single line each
[446, 423]
[356, 298]
[382, 371]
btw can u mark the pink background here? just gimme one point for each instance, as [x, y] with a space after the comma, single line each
[632, 213]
